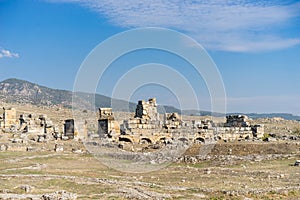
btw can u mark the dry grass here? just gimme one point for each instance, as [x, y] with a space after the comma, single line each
[86, 176]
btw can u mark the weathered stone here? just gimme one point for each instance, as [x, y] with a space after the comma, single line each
[105, 113]
[58, 148]
[30, 149]
[61, 195]
[3, 147]
[9, 118]
[27, 188]
[64, 138]
[147, 110]
[17, 140]
[172, 121]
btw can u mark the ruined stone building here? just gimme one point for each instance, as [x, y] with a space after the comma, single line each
[107, 125]
[147, 110]
[146, 116]
[147, 127]
[238, 127]
[237, 121]
[32, 123]
[9, 118]
[144, 127]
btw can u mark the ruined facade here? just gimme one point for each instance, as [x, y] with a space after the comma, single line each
[147, 127]
[238, 127]
[147, 110]
[146, 116]
[107, 125]
[69, 128]
[144, 127]
[31, 123]
[9, 118]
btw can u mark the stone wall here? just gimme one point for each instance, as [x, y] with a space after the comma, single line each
[147, 110]
[172, 121]
[105, 113]
[9, 118]
[237, 121]
[107, 125]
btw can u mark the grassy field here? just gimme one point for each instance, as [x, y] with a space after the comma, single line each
[82, 174]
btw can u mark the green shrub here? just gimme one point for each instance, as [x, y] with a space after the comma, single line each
[296, 131]
[265, 137]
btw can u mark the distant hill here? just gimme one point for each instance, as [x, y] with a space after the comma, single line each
[21, 91]
[286, 116]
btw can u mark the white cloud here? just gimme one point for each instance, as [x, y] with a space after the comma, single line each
[6, 53]
[240, 25]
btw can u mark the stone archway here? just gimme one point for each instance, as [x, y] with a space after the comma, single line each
[199, 140]
[125, 139]
[145, 140]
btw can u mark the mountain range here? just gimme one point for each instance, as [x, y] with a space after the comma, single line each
[20, 91]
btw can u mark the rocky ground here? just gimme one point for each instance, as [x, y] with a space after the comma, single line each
[260, 170]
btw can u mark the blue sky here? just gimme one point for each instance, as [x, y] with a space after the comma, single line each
[255, 44]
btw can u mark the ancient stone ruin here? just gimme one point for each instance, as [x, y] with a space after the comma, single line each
[237, 121]
[172, 121]
[9, 118]
[107, 126]
[147, 110]
[69, 129]
[146, 127]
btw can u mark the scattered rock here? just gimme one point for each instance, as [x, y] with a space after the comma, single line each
[30, 149]
[27, 188]
[58, 148]
[79, 151]
[17, 140]
[59, 195]
[64, 138]
[3, 147]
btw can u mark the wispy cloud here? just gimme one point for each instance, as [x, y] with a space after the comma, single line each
[6, 53]
[240, 25]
